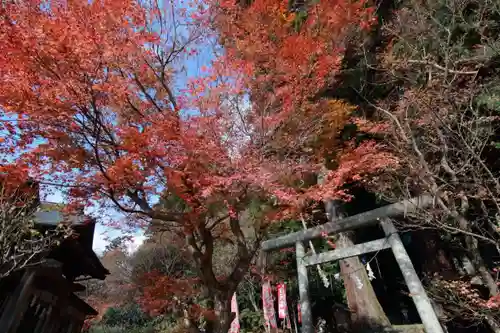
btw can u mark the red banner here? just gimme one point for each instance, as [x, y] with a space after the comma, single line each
[299, 314]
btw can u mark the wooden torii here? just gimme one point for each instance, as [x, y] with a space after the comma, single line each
[392, 240]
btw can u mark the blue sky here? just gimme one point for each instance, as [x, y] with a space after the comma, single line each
[191, 68]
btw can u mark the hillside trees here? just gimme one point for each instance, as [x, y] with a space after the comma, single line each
[432, 87]
[454, 110]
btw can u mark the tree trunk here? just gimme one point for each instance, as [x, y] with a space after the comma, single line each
[477, 259]
[366, 311]
[189, 326]
[223, 315]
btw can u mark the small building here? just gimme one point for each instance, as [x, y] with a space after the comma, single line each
[40, 297]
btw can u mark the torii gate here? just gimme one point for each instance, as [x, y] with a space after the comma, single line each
[392, 240]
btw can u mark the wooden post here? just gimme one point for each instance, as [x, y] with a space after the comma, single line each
[46, 328]
[41, 320]
[303, 281]
[18, 303]
[417, 291]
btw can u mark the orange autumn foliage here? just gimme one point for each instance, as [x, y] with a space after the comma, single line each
[86, 83]
[284, 58]
[289, 57]
[90, 87]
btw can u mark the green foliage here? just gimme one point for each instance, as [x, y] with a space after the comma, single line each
[299, 20]
[111, 324]
[489, 97]
[250, 320]
[164, 323]
[285, 227]
[129, 316]
[130, 319]
[256, 208]
[121, 329]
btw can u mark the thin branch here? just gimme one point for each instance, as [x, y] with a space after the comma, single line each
[433, 64]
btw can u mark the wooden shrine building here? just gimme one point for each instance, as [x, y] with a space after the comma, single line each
[40, 298]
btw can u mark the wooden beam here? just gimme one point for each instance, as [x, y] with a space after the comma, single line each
[350, 223]
[352, 251]
[417, 291]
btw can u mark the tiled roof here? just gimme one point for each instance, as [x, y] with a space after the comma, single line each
[55, 217]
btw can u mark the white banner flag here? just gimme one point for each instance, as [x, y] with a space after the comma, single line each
[282, 307]
[235, 324]
[268, 305]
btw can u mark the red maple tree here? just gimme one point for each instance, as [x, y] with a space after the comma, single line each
[88, 92]
[286, 53]
[289, 54]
